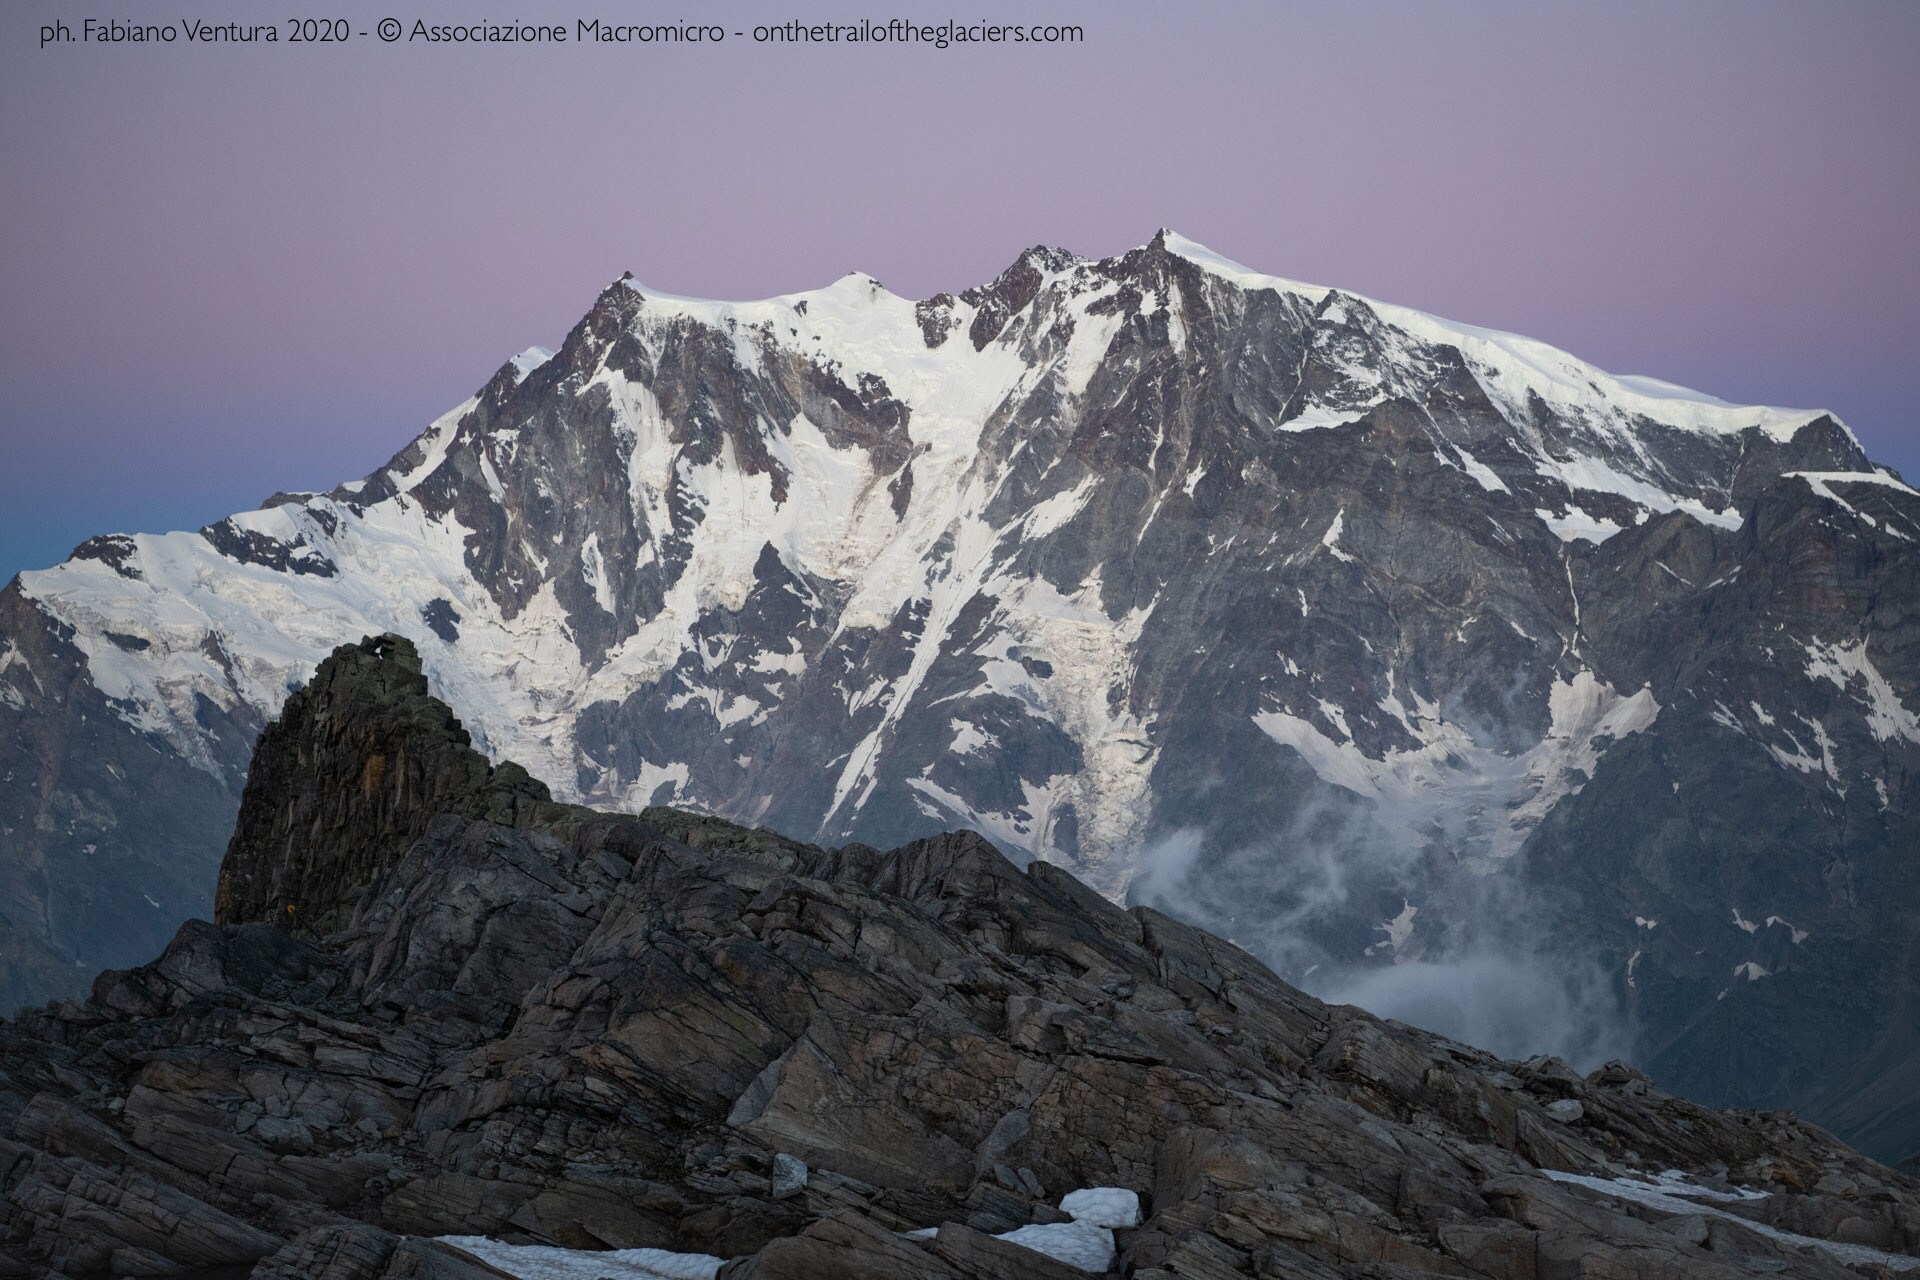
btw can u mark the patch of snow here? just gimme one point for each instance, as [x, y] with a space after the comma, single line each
[1799, 935]
[1480, 471]
[1819, 480]
[1087, 1241]
[969, 738]
[726, 710]
[1331, 538]
[1803, 761]
[593, 569]
[1319, 418]
[649, 780]
[1586, 713]
[433, 444]
[545, 1262]
[1797, 759]
[1078, 1244]
[529, 360]
[1849, 669]
[1028, 826]
[490, 475]
[1577, 524]
[1398, 930]
[1670, 1193]
[1592, 473]
[1051, 514]
[1416, 784]
[1103, 1206]
[768, 662]
[1675, 1182]
[1092, 335]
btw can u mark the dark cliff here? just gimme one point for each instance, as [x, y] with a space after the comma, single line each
[357, 765]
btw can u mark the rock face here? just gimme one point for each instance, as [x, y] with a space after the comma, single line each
[550, 1025]
[1424, 661]
[345, 780]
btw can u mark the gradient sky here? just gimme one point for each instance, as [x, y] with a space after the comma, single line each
[233, 271]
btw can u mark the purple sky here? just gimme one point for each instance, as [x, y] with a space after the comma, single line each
[229, 272]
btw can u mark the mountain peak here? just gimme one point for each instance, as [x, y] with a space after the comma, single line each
[1516, 370]
[356, 766]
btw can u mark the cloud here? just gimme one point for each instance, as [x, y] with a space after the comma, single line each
[1480, 958]
[1512, 1003]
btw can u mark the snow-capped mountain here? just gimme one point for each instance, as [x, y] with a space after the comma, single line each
[1447, 671]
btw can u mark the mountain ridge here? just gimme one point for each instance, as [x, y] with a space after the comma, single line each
[1310, 618]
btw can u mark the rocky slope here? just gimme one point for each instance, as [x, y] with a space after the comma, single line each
[550, 1026]
[1440, 669]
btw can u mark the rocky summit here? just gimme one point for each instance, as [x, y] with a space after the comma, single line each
[447, 1027]
[1448, 674]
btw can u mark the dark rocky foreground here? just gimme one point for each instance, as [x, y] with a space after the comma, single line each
[439, 1003]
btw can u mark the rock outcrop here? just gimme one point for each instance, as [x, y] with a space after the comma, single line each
[549, 1025]
[346, 779]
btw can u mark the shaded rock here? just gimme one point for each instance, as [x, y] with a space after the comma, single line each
[789, 1176]
[1566, 1110]
[842, 1246]
[357, 765]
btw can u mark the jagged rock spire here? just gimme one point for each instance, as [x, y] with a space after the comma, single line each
[357, 765]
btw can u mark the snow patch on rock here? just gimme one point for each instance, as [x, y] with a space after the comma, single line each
[545, 1262]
